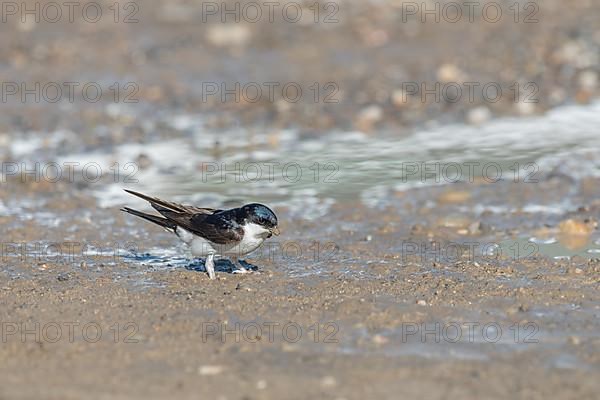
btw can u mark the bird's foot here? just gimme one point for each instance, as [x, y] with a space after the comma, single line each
[241, 271]
[239, 267]
[209, 265]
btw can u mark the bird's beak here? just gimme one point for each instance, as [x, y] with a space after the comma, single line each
[275, 231]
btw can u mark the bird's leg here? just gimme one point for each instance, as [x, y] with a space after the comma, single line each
[209, 265]
[240, 268]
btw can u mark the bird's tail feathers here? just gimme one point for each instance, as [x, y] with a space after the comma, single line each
[165, 223]
[158, 204]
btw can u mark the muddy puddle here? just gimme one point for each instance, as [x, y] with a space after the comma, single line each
[489, 251]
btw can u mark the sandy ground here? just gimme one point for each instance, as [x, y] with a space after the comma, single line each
[367, 307]
[349, 323]
[372, 52]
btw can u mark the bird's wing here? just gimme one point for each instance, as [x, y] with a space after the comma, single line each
[163, 205]
[218, 228]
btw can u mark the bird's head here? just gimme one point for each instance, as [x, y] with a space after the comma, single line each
[262, 216]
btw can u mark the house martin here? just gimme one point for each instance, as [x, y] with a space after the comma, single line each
[211, 232]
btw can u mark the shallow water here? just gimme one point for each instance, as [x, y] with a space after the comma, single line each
[309, 178]
[289, 166]
[352, 165]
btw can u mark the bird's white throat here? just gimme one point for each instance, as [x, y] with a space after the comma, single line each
[255, 231]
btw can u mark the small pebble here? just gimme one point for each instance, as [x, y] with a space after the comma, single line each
[328, 382]
[454, 197]
[588, 80]
[478, 116]
[454, 221]
[577, 228]
[224, 35]
[450, 73]
[261, 385]
[368, 117]
[574, 340]
[380, 339]
[208, 370]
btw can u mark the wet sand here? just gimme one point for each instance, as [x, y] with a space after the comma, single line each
[469, 290]
[355, 322]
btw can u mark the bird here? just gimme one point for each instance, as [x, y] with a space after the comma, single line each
[212, 232]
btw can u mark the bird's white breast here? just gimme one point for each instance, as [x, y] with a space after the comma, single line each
[254, 236]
